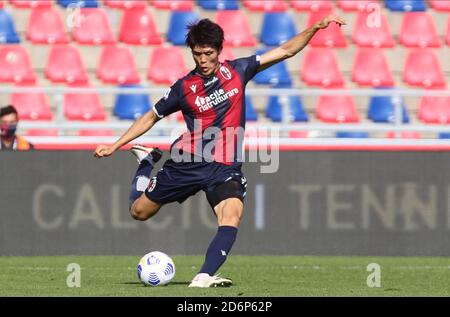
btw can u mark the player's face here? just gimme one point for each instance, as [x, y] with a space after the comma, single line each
[206, 59]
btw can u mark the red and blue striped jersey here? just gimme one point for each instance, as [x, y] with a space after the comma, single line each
[213, 108]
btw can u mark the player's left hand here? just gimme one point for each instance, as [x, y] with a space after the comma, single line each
[325, 22]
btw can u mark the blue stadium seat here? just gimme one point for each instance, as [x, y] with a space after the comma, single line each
[277, 28]
[275, 75]
[382, 109]
[8, 32]
[131, 106]
[177, 26]
[219, 4]
[355, 135]
[444, 135]
[406, 5]
[297, 113]
[78, 3]
[250, 113]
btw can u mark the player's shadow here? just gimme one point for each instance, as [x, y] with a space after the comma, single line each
[171, 283]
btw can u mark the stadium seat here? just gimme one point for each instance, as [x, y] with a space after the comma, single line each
[277, 74]
[296, 111]
[405, 5]
[227, 55]
[332, 36]
[312, 6]
[95, 132]
[174, 5]
[31, 106]
[352, 134]
[382, 109]
[434, 109]
[422, 69]
[78, 3]
[320, 68]
[355, 5]
[370, 68]
[8, 32]
[138, 27]
[236, 27]
[219, 4]
[15, 65]
[166, 65]
[365, 35]
[337, 109]
[64, 65]
[83, 107]
[250, 113]
[125, 4]
[177, 26]
[444, 135]
[116, 66]
[131, 106]
[21, 4]
[42, 132]
[403, 135]
[265, 5]
[418, 30]
[94, 28]
[298, 134]
[45, 26]
[439, 5]
[277, 28]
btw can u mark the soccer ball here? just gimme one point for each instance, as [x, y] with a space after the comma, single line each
[156, 268]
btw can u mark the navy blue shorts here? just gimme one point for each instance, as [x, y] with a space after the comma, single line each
[177, 181]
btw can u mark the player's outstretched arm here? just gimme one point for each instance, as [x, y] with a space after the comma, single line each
[138, 128]
[297, 43]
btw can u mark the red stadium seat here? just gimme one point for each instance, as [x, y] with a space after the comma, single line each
[337, 109]
[404, 135]
[418, 30]
[422, 69]
[42, 132]
[227, 54]
[365, 35]
[265, 5]
[15, 65]
[32, 106]
[355, 5]
[94, 28]
[138, 27]
[370, 68]
[45, 26]
[64, 65]
[332, 36]
[166, 65]
[440, 5]
[117, 66]
[95, 132]
[83, 107]
[312, 6]
[236, 27]
[30, 3]
[320, 68]
[433, 109]
[125, 4]
[174, 5]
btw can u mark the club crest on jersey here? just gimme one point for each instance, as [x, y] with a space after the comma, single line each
[194, 88]
[225, 72]
[152, 184]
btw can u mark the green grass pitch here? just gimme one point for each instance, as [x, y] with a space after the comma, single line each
[260, 276]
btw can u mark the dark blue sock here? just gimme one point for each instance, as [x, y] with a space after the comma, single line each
[141, 180]
[218, 249]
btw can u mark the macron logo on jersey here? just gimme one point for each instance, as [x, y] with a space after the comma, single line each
[194, 88]
[218, 96]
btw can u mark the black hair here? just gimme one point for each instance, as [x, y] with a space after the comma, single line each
[7, 110]
[205, 32]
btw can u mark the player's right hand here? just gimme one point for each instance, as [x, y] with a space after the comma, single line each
[103, 151]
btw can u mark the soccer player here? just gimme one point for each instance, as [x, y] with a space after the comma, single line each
[206, 157]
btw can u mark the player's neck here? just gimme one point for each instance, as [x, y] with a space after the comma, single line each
[210, 75]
